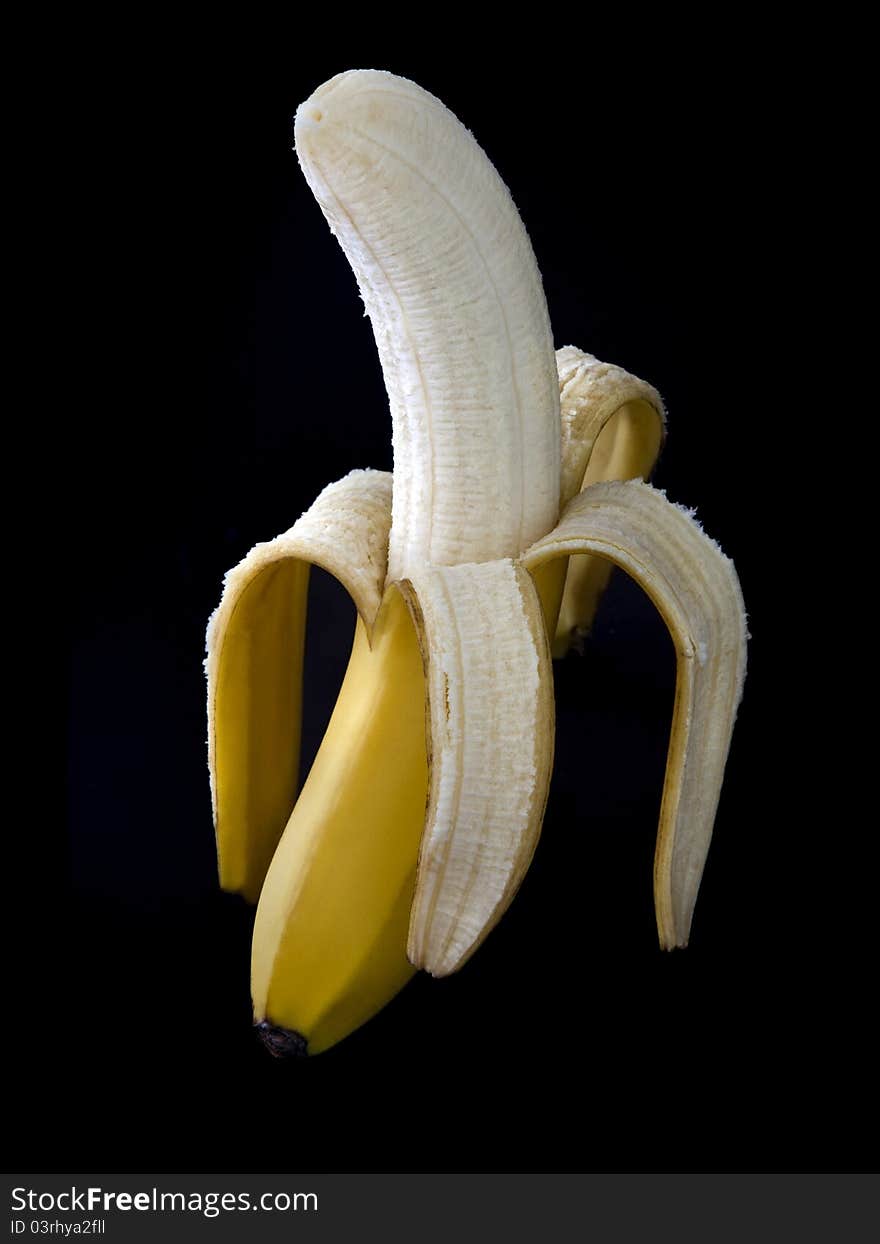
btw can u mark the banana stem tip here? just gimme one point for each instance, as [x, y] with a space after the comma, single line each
[281, 1042]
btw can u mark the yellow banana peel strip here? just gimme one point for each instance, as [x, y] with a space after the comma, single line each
[696, 590]
[591, 394]
[254, 664]
[613, 427]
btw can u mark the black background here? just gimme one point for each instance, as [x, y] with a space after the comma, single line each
[211, 371]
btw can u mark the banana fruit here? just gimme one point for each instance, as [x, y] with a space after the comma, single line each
[517, 484]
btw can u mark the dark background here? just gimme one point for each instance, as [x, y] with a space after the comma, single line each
[211, 371]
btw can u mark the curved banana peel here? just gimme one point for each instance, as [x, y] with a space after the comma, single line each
[696, 590]
[424, 805]
[613, 427]
[329, 944]
[490, 739]
[254, 664]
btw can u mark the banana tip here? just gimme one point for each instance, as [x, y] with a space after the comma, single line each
[309, 115]
[281, 1042]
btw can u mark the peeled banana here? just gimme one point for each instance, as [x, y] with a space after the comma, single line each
[518, 482]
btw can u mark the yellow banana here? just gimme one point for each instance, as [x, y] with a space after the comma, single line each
[425, 801]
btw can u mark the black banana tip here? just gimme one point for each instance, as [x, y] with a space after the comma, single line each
[281, 1042]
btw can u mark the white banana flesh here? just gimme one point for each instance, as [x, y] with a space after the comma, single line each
[406, 845]
[451, 286]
